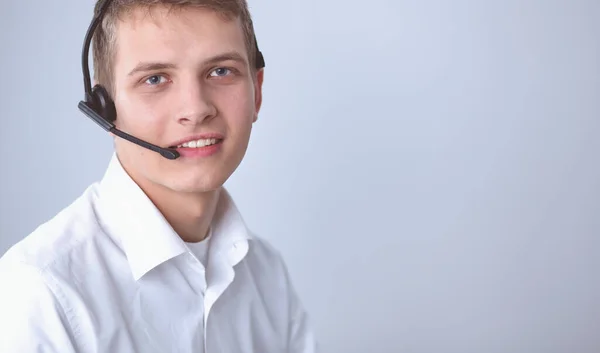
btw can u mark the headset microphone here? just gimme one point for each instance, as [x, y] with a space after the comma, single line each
[108, 126]
[99, 106]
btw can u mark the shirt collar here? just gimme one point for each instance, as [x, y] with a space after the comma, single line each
[146, 237]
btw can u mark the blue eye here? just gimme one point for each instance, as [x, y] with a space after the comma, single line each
[220, 72]
[155, 80]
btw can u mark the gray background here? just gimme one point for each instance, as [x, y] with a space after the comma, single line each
[429, 169]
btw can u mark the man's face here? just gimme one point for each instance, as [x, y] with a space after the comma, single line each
[180, 76]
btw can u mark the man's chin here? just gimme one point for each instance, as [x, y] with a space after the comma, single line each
[204, 185]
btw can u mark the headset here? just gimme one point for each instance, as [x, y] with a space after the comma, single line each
[99, 106]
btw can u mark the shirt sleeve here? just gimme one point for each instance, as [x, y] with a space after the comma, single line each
[31, 318]
[301, 335]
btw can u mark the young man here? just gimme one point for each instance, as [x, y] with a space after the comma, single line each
[155, 257]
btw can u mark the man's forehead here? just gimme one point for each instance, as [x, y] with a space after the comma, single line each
[161, 14]
[171, 32]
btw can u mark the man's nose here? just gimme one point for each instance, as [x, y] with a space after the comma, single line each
[196, 103]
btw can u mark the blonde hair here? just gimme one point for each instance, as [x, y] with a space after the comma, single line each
[104, 40]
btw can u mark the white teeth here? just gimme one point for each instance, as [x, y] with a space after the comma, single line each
[198, 143]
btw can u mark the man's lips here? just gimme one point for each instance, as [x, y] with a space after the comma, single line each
[200, 148]
[198, 141]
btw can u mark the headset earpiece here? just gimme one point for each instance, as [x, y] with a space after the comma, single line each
[103, 104]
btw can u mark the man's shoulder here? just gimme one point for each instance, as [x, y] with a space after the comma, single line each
[264, 249]
[265, 257]
[56, 237]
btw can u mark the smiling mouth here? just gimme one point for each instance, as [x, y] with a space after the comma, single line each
[199, 143]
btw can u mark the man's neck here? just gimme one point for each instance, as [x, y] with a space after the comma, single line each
[190, 215]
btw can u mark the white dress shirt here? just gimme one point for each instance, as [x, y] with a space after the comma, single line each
[108, 274]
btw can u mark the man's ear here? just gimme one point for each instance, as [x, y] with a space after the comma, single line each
[258, 83]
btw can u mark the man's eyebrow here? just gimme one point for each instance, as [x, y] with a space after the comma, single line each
[229, 56]
[150, 66]
[155, 66]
